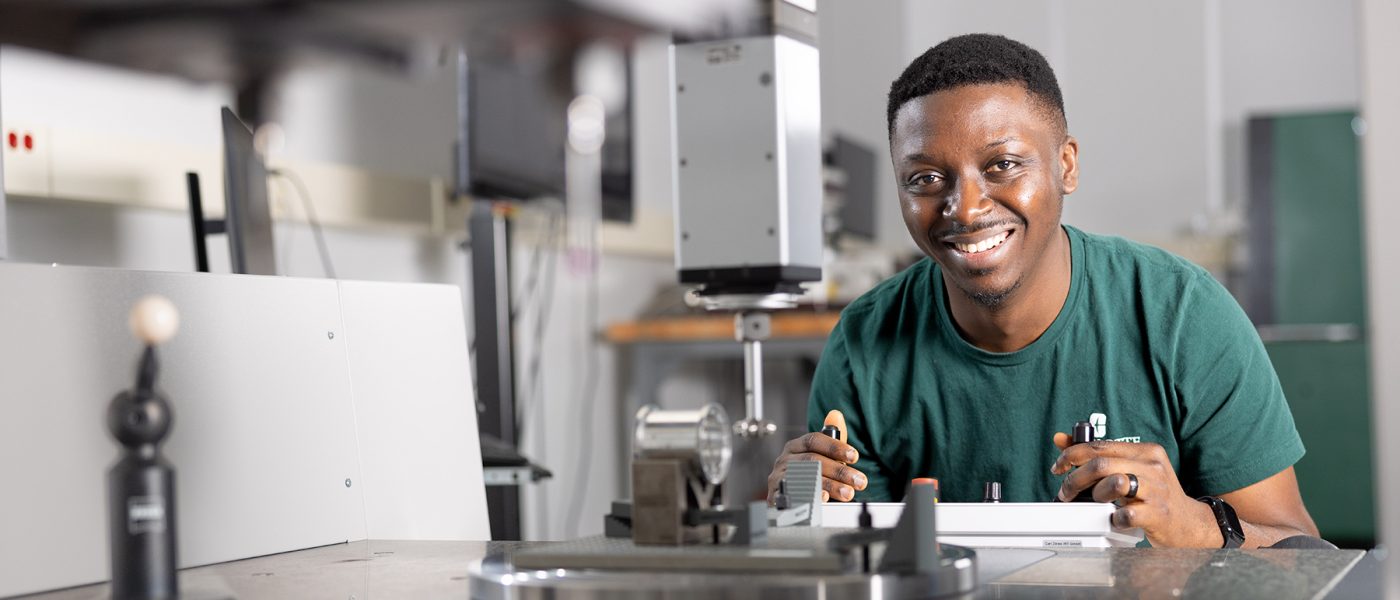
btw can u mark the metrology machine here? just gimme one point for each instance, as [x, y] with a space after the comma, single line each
[746, 114]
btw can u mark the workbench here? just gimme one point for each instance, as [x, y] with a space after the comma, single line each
[423, 569]
[656, 345]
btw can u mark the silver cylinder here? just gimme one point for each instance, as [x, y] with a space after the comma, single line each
[753, 380]
[700, 436]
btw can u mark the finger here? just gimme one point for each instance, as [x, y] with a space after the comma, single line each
[843, 486]
[1126, 517]
[1080, 454]
[817, 443]
[1062, 440]
[1097, 468]
[846, 474]
[836, 490]
[839, 420]
[1115, 487]
[836, 471]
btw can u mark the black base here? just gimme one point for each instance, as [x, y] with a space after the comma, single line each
[756, 279]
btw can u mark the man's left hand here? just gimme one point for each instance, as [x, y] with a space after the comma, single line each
[1159, 506]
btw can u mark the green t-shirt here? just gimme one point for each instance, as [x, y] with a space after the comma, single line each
[1148, 346]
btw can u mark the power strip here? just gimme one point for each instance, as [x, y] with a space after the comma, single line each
[1003, 525]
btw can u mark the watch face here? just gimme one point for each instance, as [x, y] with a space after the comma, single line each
[1229, 523]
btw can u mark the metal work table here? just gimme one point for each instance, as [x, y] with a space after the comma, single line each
[395, 569]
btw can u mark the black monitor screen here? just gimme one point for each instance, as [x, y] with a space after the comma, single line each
[517, 131]
[247, 212]
[858, 195]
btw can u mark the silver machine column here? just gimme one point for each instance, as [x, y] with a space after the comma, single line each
[750, 329]
[748, 176]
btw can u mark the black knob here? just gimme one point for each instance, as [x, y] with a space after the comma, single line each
[991, 491]
[781, 500]
[1083, 432]
[832, 432]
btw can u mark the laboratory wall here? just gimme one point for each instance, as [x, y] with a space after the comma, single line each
[1157, 93]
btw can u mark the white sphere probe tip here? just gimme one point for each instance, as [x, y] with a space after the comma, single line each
[154, 320]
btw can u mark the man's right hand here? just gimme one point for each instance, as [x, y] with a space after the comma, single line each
[839, 479]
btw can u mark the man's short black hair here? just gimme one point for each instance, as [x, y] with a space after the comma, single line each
[974, 59]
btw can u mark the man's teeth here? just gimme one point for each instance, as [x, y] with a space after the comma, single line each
[983, 245]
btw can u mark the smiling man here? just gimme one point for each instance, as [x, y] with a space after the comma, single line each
[969, 365]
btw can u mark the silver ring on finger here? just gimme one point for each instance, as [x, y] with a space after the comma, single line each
[1132, 486]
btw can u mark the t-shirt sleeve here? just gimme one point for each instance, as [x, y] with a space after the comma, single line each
[834, 388]
[1235, 428]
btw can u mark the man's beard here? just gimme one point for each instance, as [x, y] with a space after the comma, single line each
[992, 301]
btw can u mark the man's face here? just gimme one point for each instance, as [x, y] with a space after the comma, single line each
[981, 172]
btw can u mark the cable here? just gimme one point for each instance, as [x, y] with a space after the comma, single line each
[544, 308]
[284, 242]
[534, 396]
[531, 284]
[521, 300]
[311, 218]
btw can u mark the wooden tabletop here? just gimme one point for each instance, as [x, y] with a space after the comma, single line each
[717, 327]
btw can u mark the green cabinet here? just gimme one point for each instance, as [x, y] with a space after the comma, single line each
[1306, 292]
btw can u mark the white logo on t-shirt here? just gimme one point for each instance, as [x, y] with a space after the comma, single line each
[1100, 423]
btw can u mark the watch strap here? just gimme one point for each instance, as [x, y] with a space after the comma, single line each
[1226, 519]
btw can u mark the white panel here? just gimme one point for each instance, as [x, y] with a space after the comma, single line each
[1380, 60]
[414, 405]
[263, 436]
[26, 171]
[4, 233]
[52, 90]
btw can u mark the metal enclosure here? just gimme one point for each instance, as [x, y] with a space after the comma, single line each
[748, 181]
[306, 413]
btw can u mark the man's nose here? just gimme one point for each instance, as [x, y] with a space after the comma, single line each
[967, 203]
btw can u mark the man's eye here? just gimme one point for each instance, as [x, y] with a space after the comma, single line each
[1003, 165]
[925, 179]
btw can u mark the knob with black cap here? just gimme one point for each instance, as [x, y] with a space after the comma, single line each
[991, 491]
[1082, 433]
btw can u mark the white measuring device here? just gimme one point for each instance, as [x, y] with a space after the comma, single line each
[1003, 524]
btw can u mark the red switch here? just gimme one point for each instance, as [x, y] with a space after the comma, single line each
[14, 140]
[28, 142]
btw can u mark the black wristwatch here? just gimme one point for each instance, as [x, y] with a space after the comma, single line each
[1229, 523]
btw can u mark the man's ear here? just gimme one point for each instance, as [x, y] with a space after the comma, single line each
[1069, 165]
